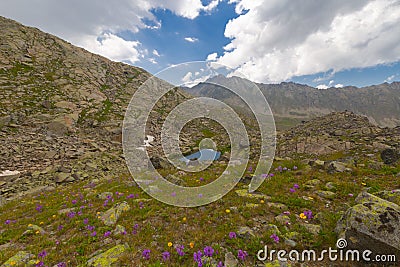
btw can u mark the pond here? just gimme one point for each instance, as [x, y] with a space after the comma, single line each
[203, 155]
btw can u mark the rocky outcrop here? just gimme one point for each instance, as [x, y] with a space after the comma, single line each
[373, 224]
[109, 257]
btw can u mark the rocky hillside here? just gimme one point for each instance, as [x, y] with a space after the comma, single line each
[61, 109]
[337, 132]
[296, 102]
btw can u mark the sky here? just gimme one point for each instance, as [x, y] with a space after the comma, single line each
[332, 43]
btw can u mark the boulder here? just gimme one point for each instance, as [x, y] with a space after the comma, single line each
[108, 257]
[373, 224]
[335, 166]
[110, 217]
[20, 259]
[389, 156]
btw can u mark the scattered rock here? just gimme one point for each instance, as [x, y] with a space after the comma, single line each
[389, 156]
[282, 219]
[110, 217]
[230, 260]
[34, 229]
[312, 228]
[119, 230]
[277, 206]
[20, 259]
[312, 183]
[246, 193]
[325, 194]
[62, 177]
[109, 257]
[335, 166]
[105, 195]
[9, 176]
[245, 232]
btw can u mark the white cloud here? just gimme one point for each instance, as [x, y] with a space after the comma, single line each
[390, 79]
[339, 85]
[82, 22]
[275, 40]
[192, 79]
[322, 86]
[155, 52]
[212, 57]
[112, 47]
[191, 39]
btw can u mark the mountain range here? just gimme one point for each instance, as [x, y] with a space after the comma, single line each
[291, 102]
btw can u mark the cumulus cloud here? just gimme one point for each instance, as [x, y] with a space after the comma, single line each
[329, 85]
[83, 22]
[112, 47]
[212, 57]
[274, 40]
[191, 39]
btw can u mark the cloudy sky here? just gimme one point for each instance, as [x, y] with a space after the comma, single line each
[321, 43]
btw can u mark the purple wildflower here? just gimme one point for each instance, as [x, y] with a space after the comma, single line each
[232, 235]
[146, 254]
[166, 255]
[275, 238]
[42, 254]
[7, 222]
[296, 186]
[107, 234]
[292, 190]
[130, 196]
[39, 208]
[294, 167]
[197, 258]
[179, 250]
[220, 264]
[309, 214]
[39, 264]
[242, 254]
[271, 175]
[86, 221]
[208, 251]
[74, 201]
[93, 233]
[61, 264]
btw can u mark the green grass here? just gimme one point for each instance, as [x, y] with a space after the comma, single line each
[159, 223]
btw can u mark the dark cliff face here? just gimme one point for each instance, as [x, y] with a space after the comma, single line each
[380, 103]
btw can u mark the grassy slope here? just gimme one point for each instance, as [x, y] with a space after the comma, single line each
[159, 224]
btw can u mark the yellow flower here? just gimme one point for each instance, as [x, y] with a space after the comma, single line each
[184, 219]
[54, 216]
[169, 244]
[41, 222]
[37, 232]
[262, 201]
[13, 263]
[364, 184]
[227, 210]
[191, 244]
[303, 216]
[30, 225]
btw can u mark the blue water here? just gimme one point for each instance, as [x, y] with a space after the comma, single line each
[203, 154]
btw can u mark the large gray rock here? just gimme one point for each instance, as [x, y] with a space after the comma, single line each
[372, 224]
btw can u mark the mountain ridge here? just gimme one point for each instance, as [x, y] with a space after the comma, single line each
[380, 103]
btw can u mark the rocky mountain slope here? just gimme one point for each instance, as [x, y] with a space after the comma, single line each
[380, 103]
[62, 108]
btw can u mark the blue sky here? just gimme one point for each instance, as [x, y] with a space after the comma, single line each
[320, 43]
